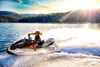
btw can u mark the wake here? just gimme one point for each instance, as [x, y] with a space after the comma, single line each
[75, 37]
[47, 60]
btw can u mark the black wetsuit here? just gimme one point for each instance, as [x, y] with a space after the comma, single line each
[37, 38]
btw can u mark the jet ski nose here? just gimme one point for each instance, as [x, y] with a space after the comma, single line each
[48, 42]
[51, 40]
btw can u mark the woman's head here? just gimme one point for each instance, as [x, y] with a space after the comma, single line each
[38, 33]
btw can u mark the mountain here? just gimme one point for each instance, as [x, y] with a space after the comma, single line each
[78, 16]
[8, 16]
[8, 13]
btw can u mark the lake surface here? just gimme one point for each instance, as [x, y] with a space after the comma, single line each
[74, 39]
[10, 32]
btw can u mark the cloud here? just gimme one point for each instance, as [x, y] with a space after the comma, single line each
[40, 6]
[13, 6]
[20, 1]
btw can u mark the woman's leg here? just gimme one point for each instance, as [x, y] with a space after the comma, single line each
[35, 46]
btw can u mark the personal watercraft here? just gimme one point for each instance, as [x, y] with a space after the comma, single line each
[25, 47]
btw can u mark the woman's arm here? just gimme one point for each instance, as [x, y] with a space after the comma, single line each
[31, 34]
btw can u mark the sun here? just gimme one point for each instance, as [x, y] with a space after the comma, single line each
[71, 5]
[89, 4]
[85, 4]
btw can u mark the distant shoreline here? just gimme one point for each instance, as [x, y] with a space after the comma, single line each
[75, 17]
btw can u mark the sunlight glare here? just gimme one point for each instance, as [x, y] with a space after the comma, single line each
[76, 5]
[89, 4]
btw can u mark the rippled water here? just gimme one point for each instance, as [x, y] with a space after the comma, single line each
[79, 43]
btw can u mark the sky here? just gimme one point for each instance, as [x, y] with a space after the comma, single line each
[47, 6]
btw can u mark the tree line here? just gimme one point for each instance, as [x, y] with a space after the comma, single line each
[49, 18]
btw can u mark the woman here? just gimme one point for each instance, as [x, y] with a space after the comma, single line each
[37, 39]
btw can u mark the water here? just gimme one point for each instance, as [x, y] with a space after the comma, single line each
[79, 43]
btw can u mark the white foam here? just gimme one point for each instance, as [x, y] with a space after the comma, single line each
[74, 36]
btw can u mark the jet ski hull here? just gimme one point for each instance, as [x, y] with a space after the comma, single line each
[46, 47]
